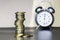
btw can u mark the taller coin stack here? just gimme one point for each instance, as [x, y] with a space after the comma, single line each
[20, 17]
[20, 28]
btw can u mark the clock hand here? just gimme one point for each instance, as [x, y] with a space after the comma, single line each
[44, 18]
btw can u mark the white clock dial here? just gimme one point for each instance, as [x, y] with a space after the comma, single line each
[44, 18]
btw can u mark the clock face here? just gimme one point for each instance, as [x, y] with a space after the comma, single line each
[44, 18]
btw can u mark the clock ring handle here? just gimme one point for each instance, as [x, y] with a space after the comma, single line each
[51, 10]
[38, 9]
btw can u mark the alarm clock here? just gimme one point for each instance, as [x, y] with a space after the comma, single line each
[44, 17]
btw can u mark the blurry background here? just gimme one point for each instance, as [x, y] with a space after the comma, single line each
[9, 7]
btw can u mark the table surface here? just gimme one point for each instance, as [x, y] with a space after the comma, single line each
[9, 34]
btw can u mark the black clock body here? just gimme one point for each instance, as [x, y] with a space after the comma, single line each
[51, 11]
